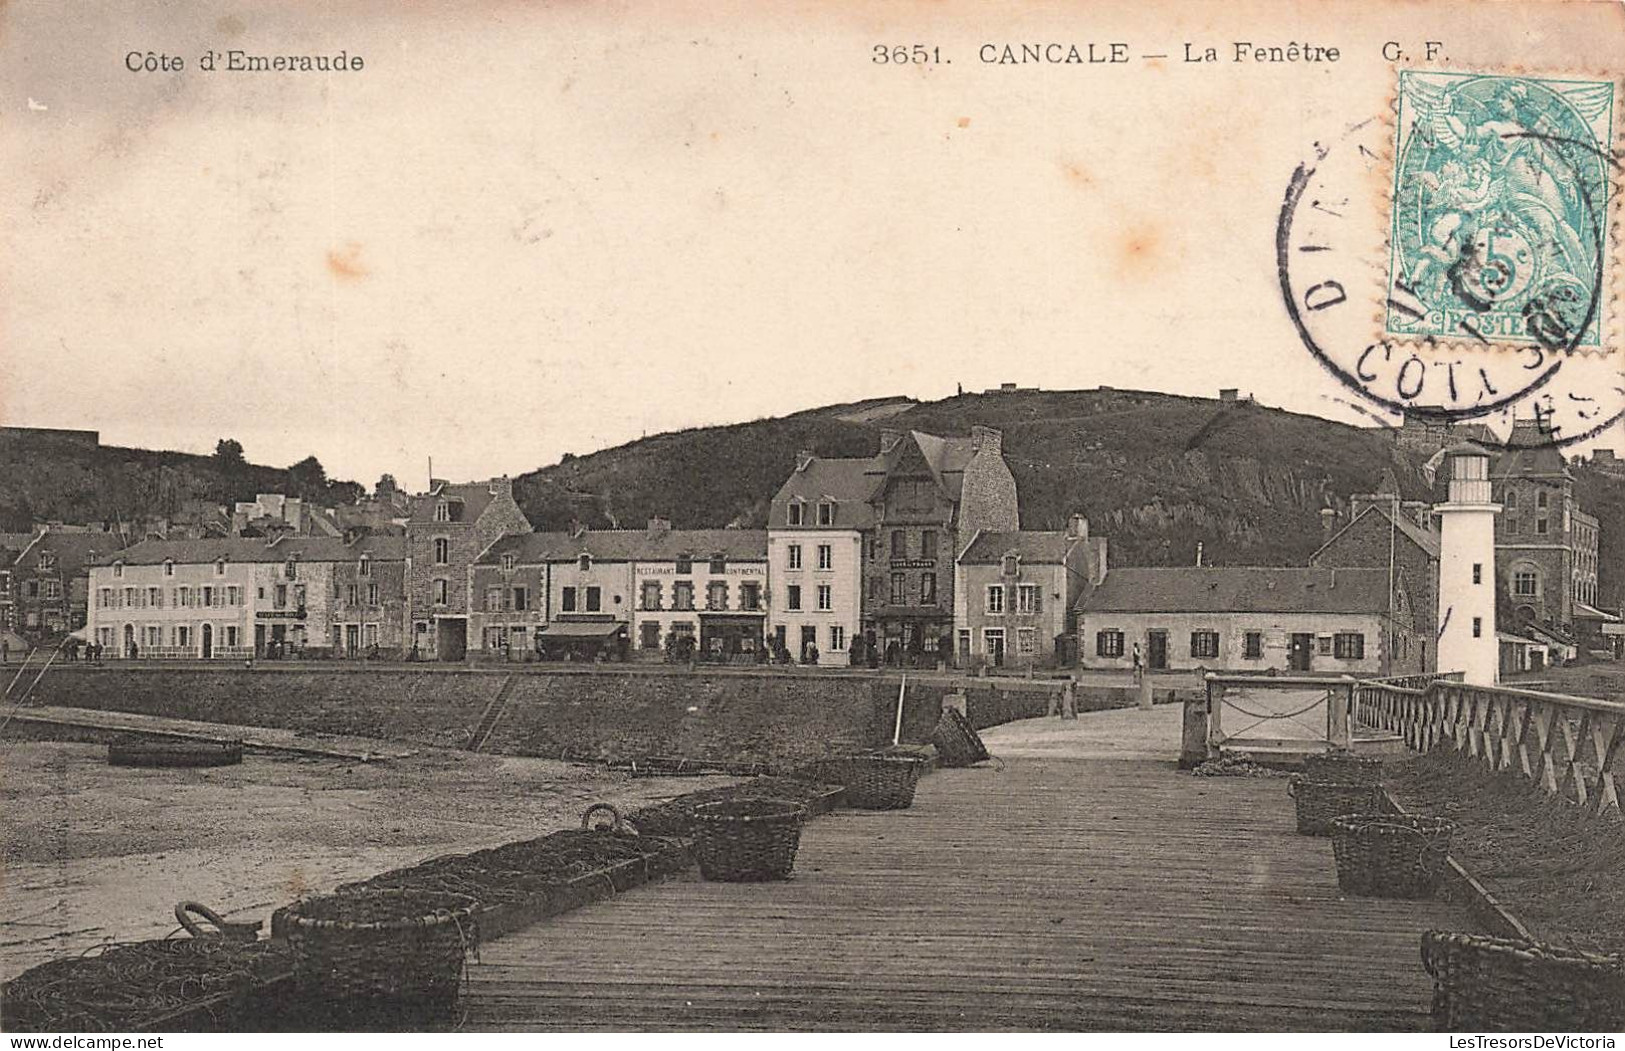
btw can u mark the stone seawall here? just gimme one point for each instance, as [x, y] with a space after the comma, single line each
[604, 712]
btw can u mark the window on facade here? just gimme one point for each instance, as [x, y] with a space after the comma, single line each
[716, 595]
[1204, 644]
[649, 595]
[508, 562]
[1511, 500]
[793, 556]
[299, 596]
[372, 594]
[899, 589]
[493, 599]
[682, 594]
[928, 544]
[584, 563]
[186, 596]
[567, 599]
[33, 589]
[1478, 572]
[1348, 645]
[521, 599]
[352, 594]
[750, 595]
[995, 598]
[53, 589]
[1510, 523]
[208, 596]
[1012, 565]
[826, 598]
[155, 597]
[798, 512]
[220, 568]
[442, 592]
[169, 570]
[1540, 526]
[837, 639]
[1323, 645]
[826, 556]
[685, 565]
[290, 569]
[1027, 598]
[792, 597]
[1540, 499]
[718, 565]
[594, 599]
[442, 513]
[1253, 645]
[826, 513]
[1108, 643]
[899, 544]
[1026, 641]
[363, 568]
[928, 589]
[1478, 627]
[183, 635]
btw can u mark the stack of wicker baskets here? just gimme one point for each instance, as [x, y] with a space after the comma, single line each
[1505, 985]
[382, 945]
[874, 781]
[957, 743]
[1391, 855]
[747, 840]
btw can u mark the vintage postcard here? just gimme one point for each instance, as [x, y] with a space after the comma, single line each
[811, 516]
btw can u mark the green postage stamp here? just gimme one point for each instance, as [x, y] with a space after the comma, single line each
[1500, 217]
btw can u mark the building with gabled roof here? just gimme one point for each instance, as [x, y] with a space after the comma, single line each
[889, 526]
[1247, 618]
[449, 528]
[1014, 592]
[1386, 533]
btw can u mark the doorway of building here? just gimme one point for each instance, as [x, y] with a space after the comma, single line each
[451, 638]
[208, 641]
[129, 639]
[1300, 652]
[993, 639]
[352, 639]
[809, 637]
[1156, 646]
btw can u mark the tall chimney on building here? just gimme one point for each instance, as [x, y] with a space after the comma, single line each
[889, 439]
[1328, 521]
[1077, 528]
[803, 458]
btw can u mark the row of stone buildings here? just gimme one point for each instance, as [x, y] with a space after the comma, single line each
[914, 554]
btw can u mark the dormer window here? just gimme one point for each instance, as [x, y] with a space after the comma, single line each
[685, 565]
[442, 512]
[290, 569]
[584, 563]
[219, 567]
[364, 567]
[508, 562]
[47, 562]
[826, 512]
[798, 512]
[169, 568]
[118, 569]
[719, 565]
[1012, 565]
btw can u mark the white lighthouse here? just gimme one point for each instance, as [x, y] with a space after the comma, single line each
[1467, 640]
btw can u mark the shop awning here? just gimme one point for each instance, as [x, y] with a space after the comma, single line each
[591, 630]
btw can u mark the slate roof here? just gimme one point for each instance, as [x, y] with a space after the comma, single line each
[855, 481]
[473, 496]
[631, 545]
[1426, 539]
[1528, 452]
[255, 549]
[72, 550]
[1238, 589]
[1034, 546]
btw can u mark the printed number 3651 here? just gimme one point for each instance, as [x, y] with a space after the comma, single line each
[901, 55]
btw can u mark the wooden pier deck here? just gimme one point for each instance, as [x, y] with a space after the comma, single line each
[1052, 893]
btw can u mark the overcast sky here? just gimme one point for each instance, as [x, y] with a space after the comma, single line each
[521, 232]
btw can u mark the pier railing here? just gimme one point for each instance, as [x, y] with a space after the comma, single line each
[1572, 747]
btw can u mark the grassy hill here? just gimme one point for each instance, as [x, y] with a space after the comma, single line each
[42, 479]
[1155, 472]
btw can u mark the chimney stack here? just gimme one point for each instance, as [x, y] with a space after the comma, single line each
[1077, 528]
[889, 439]
[987, 439]
[1198, 552]
[803, 458]
[1328, 521]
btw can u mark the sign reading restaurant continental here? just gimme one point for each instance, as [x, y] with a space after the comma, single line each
[702, 568]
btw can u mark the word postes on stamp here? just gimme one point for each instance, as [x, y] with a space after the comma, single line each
[1499, 231]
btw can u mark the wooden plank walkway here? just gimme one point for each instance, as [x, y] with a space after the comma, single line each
[1049, 894]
